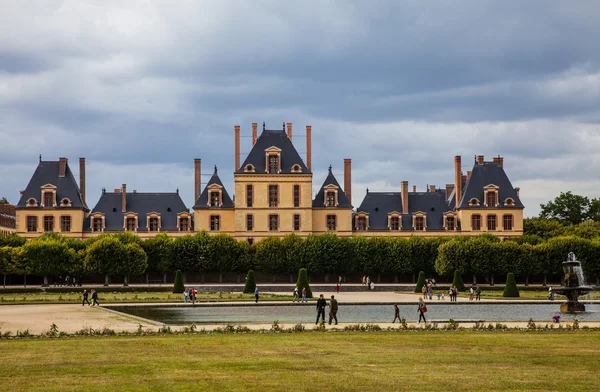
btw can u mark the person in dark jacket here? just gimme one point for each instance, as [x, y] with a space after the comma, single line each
[85, 298]
[95, 298]
[422, 310]
[333, 309]
[321, 304]
[396, 314]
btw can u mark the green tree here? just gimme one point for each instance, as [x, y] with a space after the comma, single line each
[566, 208]
[250, 285]
[420, 282]
[206, 260]
[542, 227]
[104, 256]
[302, 282]
[159, 252]
[245, 261]
[458, 281]
[4, 200]
[135, 261]
[185, 254]
[270, 256]
[178, 286]
[6, 262]
[511, 289]
[226, 251]
[13, 240]
[47, 257]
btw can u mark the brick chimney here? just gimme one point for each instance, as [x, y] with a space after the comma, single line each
[117, 190]
[468, 174]
[62, 166]
[458, 178]
[414, 188]
[404, 188]
[236, 130]
[124, 198]
[289, 130]
[480, 159]
[82, 179]
[254, 132]
[309, 147]
[197, 177]
[431, 188]
[449, 189]
[517, 189]
[348, 178]
[499, 160]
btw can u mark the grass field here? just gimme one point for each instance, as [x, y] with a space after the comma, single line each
[415, 361]
[76, 297]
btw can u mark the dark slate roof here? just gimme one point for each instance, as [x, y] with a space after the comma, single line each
[168, 205]
[279, 139]
[379, 204]
[203, 201]
[486, 174]
[319, 200]
[47, 173]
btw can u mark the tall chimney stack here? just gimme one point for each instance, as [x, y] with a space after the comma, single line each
[449, 189]
[62, 166]
[458, 178]
[348, 179]
[289, 130]
[480, 159]
[197, 177]
[404, 188]
[254, 132]
[308, 147]
[124, 198]
[236, 130]
[431, 188]
[82, 179]
[517, 189]
[414, 188]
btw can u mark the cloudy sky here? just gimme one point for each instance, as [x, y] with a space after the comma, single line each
[400, 87]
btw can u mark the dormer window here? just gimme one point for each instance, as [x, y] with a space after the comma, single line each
[330, 199]
[184, 220]
[362, 221]
[48, 195]
[474, 202]
[97, 222]
[215, 195]
[153, 221]
[65, 202]
[249, 168]
[509, 202]
[394, 221]
[214, 199]
[420, 221]
[130, 224]
[331, 196]
[31, 202]
[491, 195]
[273, 160]
[450, 221]
[273, 164]
[296, 169]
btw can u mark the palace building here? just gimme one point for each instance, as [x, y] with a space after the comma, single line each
[273, 196]
[8, 219]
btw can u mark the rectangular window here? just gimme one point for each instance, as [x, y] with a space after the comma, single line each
[450, 223]
[65, 223]
[491, 222]
[508, 222]
[48, 199]
[184, 224]
[273, 164]
[153, 224]
[362, 223]
[420, 223]
[395, 223]
[130, 224]
[249, 222]
[273, 195]
[331, 223]
[97, 224]
[215, 223]
[296, 195]
[492, 200]
[273, 222]
[48, 223]
[476, 222]
[249, 195]
[330, 199]
[214, 199]
[31, 223]
[296, 222]
[250, 241]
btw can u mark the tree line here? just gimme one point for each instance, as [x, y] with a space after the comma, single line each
[126, 254]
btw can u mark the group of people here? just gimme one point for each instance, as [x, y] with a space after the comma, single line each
[67, 281]
[191, 294]
[475, 293]
[366, 280]
[296, 295]
[333, 309]
[94, 298]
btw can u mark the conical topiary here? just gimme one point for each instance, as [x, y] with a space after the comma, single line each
[420, 282]
[303, 283]
[178, 286]
[250, 283]
[511, 289]
[458, 281]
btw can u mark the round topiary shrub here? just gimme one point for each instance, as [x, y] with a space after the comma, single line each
[420, 282]
[178, 286]
[250, 283]
[511, 289]
[303, 283]
[458, 281]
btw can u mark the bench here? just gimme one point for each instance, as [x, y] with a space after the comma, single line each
[478, 323]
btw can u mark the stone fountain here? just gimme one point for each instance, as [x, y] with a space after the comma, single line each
[574, 285]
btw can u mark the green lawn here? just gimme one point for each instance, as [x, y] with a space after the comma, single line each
[415, 361]
[76, 297]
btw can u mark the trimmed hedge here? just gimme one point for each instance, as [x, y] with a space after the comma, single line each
[511, 289]
[458, 281]
[303, 283]
[178, 286]
[420, 282]
[250, 285]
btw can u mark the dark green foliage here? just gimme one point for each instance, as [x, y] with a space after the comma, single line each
[178, 286]
[185, 253]
[510, 290]
[420, 282]
[159, 251]
[568, 208]
[303, 283]
[250, 283]
[458, 281]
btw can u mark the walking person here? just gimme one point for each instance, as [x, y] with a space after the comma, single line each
[321, 304]
[85, 298]
[422, 310]
[424, 291]
[304, 295]
[193, 296]
[95, 298]
[295, 294]
[478, 293]
[333, 309]
[337, 288]
[185, 295]
[396, 314]
[256, 294]
[430, 292]
[471, 293]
